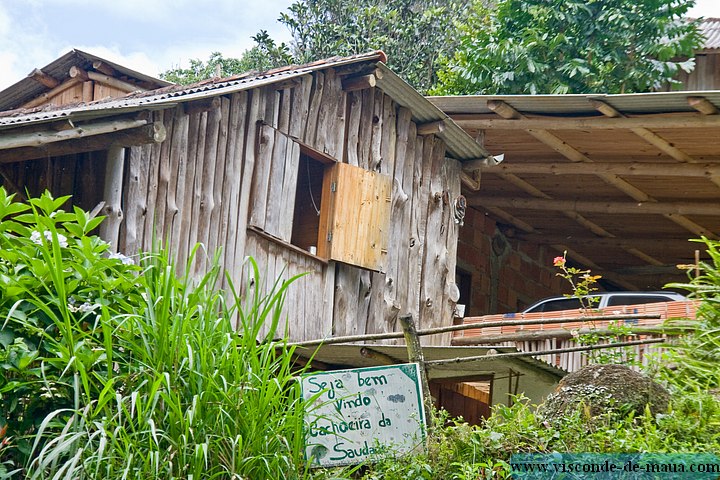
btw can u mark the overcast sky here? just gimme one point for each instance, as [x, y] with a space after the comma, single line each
[150, 36]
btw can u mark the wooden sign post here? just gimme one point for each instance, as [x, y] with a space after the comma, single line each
[363, 414]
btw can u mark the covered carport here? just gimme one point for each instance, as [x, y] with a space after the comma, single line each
[621, 182]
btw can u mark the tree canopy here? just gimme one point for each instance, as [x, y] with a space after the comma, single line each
[413, 33]
[571, 46]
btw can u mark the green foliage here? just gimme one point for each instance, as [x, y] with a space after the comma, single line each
[459, 451]
[415, 34]
[571, 46]
[111, 370]
[55, 283]
[695, 359]
[266, 54]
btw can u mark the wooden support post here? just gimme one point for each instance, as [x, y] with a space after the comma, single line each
[415, 355]
[112, 195]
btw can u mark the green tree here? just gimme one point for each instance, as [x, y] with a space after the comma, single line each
[415, 34]
[266, 54]
[571, 46]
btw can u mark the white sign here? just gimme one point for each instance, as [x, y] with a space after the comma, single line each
[362, 414]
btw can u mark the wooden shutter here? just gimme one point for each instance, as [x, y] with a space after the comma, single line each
[355, 219]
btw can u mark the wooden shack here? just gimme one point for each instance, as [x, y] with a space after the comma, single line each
[336, 168]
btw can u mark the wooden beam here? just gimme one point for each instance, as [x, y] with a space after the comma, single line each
[351, 84]
[431, 128]
[9, 182]
[610, 168]
[43, 78]
[202, 105]
[79, 73]
[633, 192]
[37, 139]
[703, 105]
[665, 147]
[40, 99]
[114, 82]
[152, 133]
[104, 68]
[650, 137]
[568, 151]
[600, 242]
[471, 180]
[590, 206]
[471, 121]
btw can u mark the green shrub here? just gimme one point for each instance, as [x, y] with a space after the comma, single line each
[112, 370]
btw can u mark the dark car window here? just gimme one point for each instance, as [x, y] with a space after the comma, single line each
[616, 300]
[557, 305]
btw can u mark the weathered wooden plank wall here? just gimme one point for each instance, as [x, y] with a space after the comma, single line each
[79, 175]
[226, 177]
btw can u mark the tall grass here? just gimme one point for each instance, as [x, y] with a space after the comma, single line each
[113, 370]
[189, 397]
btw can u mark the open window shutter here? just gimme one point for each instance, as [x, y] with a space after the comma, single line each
[355, 221]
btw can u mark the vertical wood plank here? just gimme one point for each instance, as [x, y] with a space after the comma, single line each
[316, 97]
[274, 194]
[207, 197]
[150, 234]
[218, 219]
[232, 182]
[162, 221]
[261, 177]
[176, 188]
[300, 107]
[112, 195]
[136, 203]
[353, 138]
[186, 238]
[255, 109]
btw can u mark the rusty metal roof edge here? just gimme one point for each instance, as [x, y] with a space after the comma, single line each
[192, 92]
[460, 145]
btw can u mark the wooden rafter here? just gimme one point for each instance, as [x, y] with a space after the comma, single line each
[684, 120]
[612, 168]
[703, 105]
[590, 206]
[43, 78]
[37, 139]
[662, 145]
[507, 111]
[145, 134]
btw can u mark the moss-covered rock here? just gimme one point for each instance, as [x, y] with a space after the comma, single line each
[605, 388]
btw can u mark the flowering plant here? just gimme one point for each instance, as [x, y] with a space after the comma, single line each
[581, 281]
[583, 284]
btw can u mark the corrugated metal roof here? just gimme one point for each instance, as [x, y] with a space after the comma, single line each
[710, 28]
[577, 105]
[27, 88]
[350, 355]
[459, 144]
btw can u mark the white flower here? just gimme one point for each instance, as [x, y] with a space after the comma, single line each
[84, 308]
[123, 258]
[575, 333]
[37, 239]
